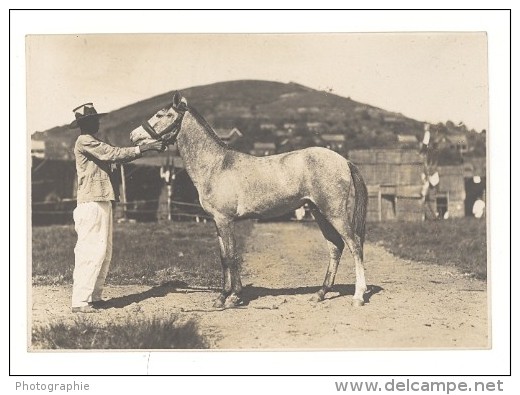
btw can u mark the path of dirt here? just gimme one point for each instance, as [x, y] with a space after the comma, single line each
[411, 305]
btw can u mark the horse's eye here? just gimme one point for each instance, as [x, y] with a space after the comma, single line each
[159, 115]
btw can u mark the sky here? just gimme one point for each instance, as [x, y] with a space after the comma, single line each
[431, 77]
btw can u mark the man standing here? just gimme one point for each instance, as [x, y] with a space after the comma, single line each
[93, 214]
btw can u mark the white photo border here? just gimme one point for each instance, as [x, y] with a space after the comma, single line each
[464, 362]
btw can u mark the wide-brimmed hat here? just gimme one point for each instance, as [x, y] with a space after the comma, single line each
[85, 111]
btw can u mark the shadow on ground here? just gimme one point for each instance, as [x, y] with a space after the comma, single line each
[250, 293]
[154, 292]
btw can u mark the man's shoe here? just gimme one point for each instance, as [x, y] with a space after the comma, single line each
[85, 309]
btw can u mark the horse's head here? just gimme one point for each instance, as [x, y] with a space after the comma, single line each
[165, 125]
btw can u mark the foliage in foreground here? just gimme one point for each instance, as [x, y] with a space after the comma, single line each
[134, 333]
[458, 242]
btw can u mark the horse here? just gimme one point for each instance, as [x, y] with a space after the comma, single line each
[233, 185]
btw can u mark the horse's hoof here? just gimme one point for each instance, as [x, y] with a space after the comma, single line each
[219, 302]
[232, 301]
[357, 302]
[317, 297]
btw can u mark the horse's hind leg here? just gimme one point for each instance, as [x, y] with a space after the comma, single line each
[361, 286]
[353, 242]
[335, 245]
[356, 248]
[231, 284]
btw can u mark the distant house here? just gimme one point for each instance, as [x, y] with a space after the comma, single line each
[289, 126]
[455, 142]
[335, 142]
[263, 149]
[304, 110]
[281, 133]
[458, 142]
[229, 136]
[407, 139]
[314, 126]
[37, 149]
[268, 126]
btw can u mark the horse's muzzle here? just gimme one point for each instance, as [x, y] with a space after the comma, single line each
[139, 136]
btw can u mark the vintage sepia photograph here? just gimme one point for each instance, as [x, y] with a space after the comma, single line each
[306, 191]
[277, 201]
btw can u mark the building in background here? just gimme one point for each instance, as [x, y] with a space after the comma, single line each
[37, 149]
[229, 136]
[335, 142]
[263, 149]
[400, 190]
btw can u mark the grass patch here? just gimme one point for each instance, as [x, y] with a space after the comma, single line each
[134, 333]
[144, 253]
[459, 242]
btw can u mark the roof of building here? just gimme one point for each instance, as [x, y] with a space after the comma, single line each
[457, 138]
[267, 125]
[407, 138]
[37, 144]
[339, 138]
[227, 134]
[260, 145]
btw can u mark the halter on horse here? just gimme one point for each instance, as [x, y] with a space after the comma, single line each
[233, 185]
[168, 134]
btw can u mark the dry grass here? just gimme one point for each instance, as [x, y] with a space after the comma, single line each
[134, 333]
[457, 242]
[144, 253]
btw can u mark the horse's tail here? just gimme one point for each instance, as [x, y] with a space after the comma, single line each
[360, 203]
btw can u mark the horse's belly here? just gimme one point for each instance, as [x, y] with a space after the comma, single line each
[266, 205]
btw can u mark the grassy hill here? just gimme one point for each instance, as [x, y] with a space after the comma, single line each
[250, 105]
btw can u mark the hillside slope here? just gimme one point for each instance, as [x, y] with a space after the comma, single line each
[260, 109]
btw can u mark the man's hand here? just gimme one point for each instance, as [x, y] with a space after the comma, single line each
[158, 146]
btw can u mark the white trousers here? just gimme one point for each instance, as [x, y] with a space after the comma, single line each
[93, 251]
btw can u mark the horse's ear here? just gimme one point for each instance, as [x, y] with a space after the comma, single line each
[176, 98]
[179, 101]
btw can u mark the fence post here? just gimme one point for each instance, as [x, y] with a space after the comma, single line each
[170, 194]
[168, 175]
[123, 190]
[169, 209]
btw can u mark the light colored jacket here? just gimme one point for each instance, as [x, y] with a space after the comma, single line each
[93, 159]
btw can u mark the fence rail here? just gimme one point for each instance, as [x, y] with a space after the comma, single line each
[58, 202]
[61, 211]
[178, 209]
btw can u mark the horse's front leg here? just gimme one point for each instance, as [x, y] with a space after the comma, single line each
[231, 283]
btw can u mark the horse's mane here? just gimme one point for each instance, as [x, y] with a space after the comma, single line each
[207, 127]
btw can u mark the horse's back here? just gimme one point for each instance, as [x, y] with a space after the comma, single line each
[322, 162]
[303, 165]
[304, 159]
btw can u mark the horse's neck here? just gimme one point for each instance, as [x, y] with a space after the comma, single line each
[199, 148]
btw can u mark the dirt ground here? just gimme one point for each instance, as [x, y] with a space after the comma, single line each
[410, 305]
